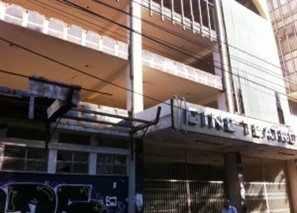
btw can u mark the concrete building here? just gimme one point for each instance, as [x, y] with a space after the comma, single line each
[143, 106]
[283, 15]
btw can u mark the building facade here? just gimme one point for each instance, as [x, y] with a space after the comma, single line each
[143, 106]
[283, 15]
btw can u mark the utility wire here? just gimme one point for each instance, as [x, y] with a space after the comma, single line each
[65, 2]
[176, 49]
[26, 76]
[75, 69]
[200, 43]
[98, 78]
[85, 73]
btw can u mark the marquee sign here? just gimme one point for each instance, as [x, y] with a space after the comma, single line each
[195, 118]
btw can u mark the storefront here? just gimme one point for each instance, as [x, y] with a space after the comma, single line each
[196, 156]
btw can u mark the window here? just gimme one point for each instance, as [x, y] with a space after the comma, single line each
[114, 142]
[111, 164]
[72, 162]
[279, 108]
[24, 159]
[71, 138]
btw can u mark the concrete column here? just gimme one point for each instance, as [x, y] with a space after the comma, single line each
[2, 148]
[234, 183]
[135, 75]
[132, 179]
[226, 67]
[93, 158]
[135, 93]
[291, 170]
[52, 161]
[53, 155]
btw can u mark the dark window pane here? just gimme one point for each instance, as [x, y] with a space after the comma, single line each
[80, 168]
[11, 151]
[34, 153]
[13, 164]
[103, 169]
[120, 170]
[38, 166]
[64, 156]
[81, 157]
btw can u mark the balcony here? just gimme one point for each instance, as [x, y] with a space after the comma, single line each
[71, 52]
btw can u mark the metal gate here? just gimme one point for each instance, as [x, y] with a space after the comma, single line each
[272, 197]
[177, 196]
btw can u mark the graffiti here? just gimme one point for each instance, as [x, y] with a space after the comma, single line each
[2, 199]
[52, 197]
[30, 198]
[121, 207]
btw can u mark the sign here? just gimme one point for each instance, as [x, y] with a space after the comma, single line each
[195, 118]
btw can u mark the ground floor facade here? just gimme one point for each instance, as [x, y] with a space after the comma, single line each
[170, 167]
[186, 180]
[168, 179]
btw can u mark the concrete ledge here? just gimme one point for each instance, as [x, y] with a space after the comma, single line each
[15, 14]
[181, 70]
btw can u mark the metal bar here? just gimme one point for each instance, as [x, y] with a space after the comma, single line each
[150, 7]
[119, 116]
[95, 121]
[200, 16]
[182, 13]
[162, 10]
[172, 11]
[208, 18]
[192, 16]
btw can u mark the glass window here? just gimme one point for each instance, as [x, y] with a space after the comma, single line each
[71, 138]
[115, 142]
[72, 162]
[24, 159]
[111, 164]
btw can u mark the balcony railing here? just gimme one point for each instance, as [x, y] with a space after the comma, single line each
[197, 15]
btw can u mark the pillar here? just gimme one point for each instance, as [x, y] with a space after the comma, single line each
[53, 155]
[234, 182]
[223, 45]
[135, 88]
[291, 171]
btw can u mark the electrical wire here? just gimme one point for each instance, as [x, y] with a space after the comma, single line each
[200, 43]
[168, 46]
[173, 33]
[95, 76]
[26, 76]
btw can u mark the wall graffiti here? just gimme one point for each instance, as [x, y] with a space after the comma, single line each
[62, 194]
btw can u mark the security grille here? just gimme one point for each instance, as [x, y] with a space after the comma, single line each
[182, 196]
[266, 197]
[182, 181]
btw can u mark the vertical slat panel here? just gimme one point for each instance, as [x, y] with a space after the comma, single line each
[162, 10]
[192, 16]
[182, 13]
[172, 11]
[208, 18]
[200, 16]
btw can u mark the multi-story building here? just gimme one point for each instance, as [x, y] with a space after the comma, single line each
[143, 106]
[283, 15]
